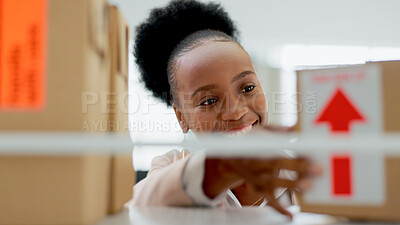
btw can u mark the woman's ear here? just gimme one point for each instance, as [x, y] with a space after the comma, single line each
[181, 119]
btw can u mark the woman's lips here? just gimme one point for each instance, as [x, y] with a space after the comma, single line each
[237, 131]
[239, 128]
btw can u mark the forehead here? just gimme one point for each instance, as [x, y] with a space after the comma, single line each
[212, 63]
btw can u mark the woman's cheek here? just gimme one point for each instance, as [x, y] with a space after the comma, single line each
[205, 121]
[207, 124]
[257, 102]
[260, 106]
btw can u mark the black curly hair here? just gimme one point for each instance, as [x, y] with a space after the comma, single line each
[169, 33]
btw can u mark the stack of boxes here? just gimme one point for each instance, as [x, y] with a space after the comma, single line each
[345, 102]
[121, 165]
[63, 68]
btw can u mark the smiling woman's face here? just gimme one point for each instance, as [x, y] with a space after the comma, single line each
[218, 90]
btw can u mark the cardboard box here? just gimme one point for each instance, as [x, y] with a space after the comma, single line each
[53, 189]
[122, 173]
[74, 41]
[71, 64]
[350, 101]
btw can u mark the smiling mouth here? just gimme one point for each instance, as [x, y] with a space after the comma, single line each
[237, 131]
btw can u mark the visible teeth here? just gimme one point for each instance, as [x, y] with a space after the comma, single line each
[238, 133]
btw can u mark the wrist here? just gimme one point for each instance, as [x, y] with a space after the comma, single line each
[218, 177]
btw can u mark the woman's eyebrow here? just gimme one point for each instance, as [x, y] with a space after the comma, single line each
[241, 75]
[205, 88]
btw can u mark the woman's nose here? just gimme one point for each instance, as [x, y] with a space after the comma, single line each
[234, 109]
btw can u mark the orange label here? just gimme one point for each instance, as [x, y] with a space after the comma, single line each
[23, 40]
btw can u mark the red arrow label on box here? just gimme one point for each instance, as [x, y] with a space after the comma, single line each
[339, 113]
[341, 175]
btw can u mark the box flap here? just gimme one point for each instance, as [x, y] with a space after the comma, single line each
[119, 43]
[98, 26]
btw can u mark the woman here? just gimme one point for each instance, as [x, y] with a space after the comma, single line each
[189, 57]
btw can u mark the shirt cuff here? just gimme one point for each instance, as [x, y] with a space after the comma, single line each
[193, 177]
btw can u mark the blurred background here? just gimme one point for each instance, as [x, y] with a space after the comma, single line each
[280, 36]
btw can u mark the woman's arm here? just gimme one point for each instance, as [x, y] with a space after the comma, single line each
[163, 184]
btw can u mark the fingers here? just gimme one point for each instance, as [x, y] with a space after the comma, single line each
[315, 169]
[263, 175]
[303, 185]
[266, 172]
[273, 202]
[261, 184]
[300, 165]
[303, 166]
[254, 167]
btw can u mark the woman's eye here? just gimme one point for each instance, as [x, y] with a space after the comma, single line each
[248, 88]
[209, 101]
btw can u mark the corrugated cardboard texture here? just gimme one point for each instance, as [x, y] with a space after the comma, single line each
[122, 173]
[390, 210]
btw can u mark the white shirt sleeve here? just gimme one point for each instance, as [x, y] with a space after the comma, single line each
[193, 176]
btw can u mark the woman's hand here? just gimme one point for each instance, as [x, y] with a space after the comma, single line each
[261, 173]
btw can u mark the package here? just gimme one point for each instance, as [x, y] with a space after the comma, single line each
[345, 102]
[55, 77]
[122, 173]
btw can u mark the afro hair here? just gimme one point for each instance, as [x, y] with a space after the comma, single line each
[164, 29]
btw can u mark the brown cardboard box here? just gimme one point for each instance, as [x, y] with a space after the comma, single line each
[77, 68]
[53, 189]
[71, 189]
[389, 209]
[122, 173]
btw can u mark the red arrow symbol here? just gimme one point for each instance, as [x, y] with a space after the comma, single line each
[339, 113]
[341, 175]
